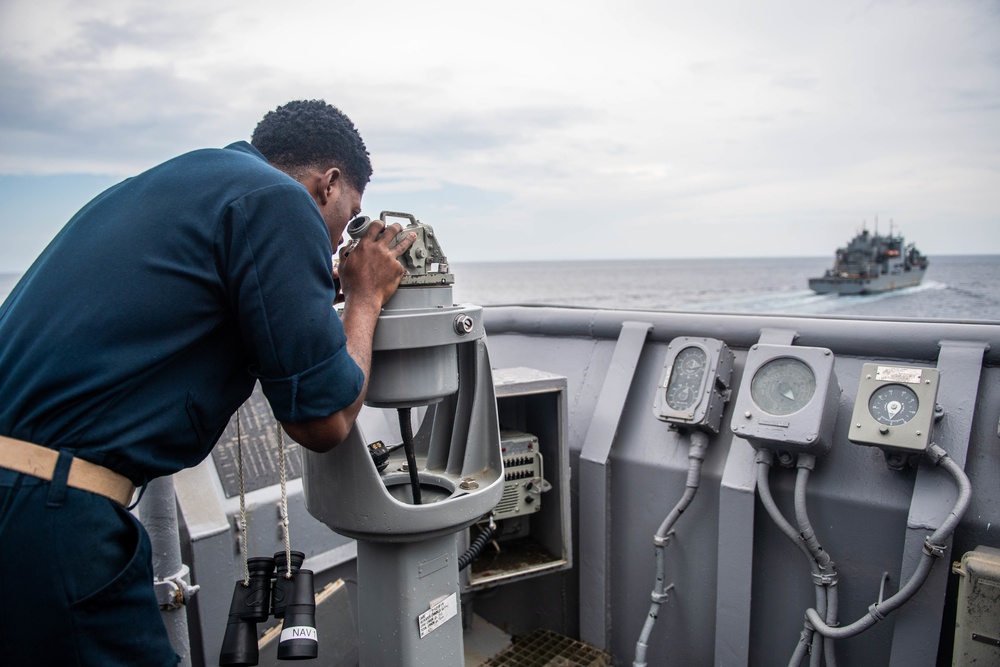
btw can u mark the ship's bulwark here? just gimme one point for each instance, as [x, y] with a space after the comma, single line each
[739, 594]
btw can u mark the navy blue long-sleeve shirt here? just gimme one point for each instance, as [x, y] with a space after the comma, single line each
[142, 327]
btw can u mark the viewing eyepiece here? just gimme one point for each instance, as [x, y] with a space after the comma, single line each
[358, 227]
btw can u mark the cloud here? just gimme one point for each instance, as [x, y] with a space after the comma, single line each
[757, 121]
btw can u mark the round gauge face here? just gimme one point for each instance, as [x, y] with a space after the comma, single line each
[893, 405]
[686, 378]
[783, 386]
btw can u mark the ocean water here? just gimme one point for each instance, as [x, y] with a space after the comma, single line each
[954, 288]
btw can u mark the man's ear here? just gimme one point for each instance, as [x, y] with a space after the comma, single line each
[330, 183]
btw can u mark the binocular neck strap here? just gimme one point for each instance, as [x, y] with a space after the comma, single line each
[243, 501]
[284, 501]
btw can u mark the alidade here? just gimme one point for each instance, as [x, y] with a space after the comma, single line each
[788, 399]
[406, 505]
[425, 262]
[894, 409]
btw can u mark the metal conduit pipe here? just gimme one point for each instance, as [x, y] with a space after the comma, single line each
[934, 547]
[696, 455]
[826, 579]
[765, 459]
[158, 513]
[832, 604]
[801, 649]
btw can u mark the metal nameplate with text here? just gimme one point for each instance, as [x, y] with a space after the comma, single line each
[897, 374]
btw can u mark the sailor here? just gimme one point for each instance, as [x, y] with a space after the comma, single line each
[138, 332]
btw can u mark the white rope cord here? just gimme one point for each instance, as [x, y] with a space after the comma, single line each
[243, 501]
[284, 502]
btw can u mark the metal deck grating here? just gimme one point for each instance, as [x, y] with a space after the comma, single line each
[543, 648]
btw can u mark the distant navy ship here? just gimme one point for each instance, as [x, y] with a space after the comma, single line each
[872, 263]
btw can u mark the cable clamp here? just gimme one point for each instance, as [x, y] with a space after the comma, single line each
[173, 592]
[661, 541]
[934, 550]
[660, 598]
[876, 614]
[936, 454]
[827, 580]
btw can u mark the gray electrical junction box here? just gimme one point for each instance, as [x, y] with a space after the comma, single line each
[788, 399]
[533, 535]
[695, 384]
[894, 409]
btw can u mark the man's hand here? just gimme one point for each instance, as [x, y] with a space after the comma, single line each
[370, 270]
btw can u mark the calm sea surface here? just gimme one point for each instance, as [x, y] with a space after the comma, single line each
[955, 287]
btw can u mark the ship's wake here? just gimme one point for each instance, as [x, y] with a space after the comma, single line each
[807, 302]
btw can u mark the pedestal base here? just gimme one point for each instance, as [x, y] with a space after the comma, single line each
[405, 590]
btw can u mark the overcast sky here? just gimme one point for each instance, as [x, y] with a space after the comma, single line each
[537, 130]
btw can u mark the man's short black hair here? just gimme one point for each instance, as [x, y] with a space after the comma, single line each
[312, 133]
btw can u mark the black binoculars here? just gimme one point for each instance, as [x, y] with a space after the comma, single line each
[271, 591]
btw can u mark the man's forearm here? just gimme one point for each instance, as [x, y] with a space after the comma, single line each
[325, 433]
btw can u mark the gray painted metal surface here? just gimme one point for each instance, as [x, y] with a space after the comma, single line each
[736, 530]
[458, 439]
[400, 582]
[595, 621]
[859, 506]
[915, 638]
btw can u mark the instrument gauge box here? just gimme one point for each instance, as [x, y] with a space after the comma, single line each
[788, 399]
[695, 383]
[894, 409]
[533, 519]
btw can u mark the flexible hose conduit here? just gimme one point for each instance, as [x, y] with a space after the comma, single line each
[820, 565]
[477, 546]
[934, 548]
[696, 455]
[825, 578]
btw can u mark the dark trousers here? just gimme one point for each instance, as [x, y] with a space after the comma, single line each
[76, 581]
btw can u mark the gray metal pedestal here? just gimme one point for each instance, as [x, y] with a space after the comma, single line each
[417, 575]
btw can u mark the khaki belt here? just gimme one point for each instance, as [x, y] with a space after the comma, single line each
[40, 462]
